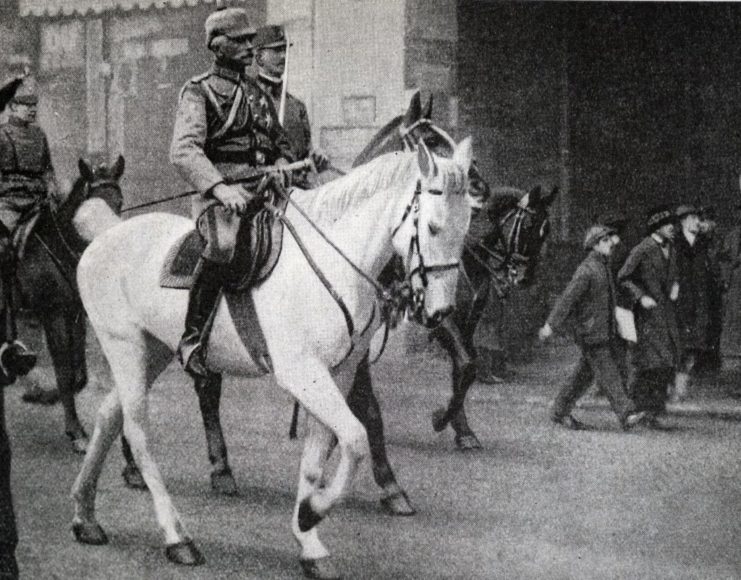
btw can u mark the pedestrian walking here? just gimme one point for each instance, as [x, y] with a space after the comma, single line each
[649, 276]
[693, 312]
[711, 360]
[588, 302]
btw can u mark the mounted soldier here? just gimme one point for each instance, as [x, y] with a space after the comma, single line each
[27, 182]
[226, 129]
[270, 71]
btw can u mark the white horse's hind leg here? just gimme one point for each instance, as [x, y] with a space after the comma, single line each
[107, 427]
[135, 366]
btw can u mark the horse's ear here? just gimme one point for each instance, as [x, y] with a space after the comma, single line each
[536, 195]
[547, 199]
[85, 170]
[426, 161]
[427, 111]
[414, 112]
[463, 154]
[118, 167]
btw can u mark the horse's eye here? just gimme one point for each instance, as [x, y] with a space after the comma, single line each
[434, 230]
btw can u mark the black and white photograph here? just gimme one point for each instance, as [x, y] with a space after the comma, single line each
[370, 289]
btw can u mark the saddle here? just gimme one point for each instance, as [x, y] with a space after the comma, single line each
[259, 244]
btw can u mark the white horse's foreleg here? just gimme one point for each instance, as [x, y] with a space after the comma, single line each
[317, 445]
[311, 383]
[107, 427]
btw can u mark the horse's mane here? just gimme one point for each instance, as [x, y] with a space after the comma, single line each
[328, 202]
[377, 140]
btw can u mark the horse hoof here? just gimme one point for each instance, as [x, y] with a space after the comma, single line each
[398, 504]
[79, 441]
[184, 553]
[437, 420]
[468, 442]
[307, 517]
[223, 483]
[35, 395]
[320, 569]
[133, 478]
[91, 534]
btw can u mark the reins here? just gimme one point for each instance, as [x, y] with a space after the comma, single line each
[296, 166]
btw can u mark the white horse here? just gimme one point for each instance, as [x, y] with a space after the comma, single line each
[413, 204]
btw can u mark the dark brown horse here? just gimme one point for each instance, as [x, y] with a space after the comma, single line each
[47, 282]
[515, 226]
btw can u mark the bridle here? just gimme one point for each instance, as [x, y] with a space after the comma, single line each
[510, 252]
[422, 269]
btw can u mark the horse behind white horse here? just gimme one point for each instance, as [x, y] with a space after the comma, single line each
[413, 204]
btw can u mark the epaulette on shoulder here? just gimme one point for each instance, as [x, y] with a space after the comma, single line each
[201, 77]
[194, 81]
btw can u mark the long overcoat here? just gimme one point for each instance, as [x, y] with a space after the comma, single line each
[693, 273]
[647, 272]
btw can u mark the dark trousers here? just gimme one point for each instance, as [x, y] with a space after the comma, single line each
[606, 364]
[650, 389]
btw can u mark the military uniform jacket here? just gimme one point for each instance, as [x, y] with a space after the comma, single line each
[26, 171]
[647, 272]
[588, 302]
[225, 127]
[295, 118]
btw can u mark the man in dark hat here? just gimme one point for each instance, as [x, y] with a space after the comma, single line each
[271, 50]
[693, 309]
[226, 127]
[589, 301]
[649, 276]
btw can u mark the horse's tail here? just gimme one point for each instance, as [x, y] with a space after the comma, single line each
[94, 217]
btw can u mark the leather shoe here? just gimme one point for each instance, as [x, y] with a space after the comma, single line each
[633, 419]
[570, 423]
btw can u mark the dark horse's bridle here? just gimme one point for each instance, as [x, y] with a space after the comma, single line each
[510, 252]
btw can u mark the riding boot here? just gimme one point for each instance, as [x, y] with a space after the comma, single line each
[16, 359]
[202, 301]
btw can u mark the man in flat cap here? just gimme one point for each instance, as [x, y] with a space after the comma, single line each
[649, 277]
[588, 302]
[27, 181]
[271, 50]
[226, 128]
[693, 309]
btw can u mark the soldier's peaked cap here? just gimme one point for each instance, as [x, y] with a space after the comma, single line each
[26, 94]
[272, 36]
[231, 22]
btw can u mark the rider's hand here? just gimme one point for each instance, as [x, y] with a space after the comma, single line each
[284, 176]
[647, 302]
[320, 159]
[545, 332]
[232, 197]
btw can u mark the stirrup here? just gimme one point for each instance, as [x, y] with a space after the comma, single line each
[16, 359]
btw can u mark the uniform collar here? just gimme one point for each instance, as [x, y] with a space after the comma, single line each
[227, 72]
